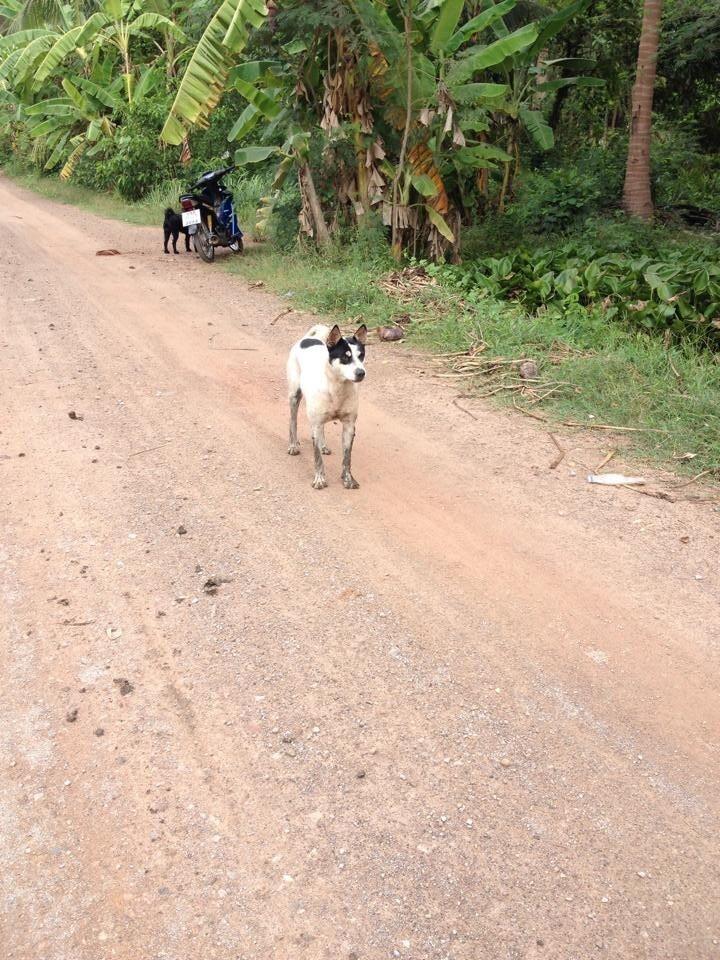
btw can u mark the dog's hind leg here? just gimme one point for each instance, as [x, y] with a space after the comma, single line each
[319, 483]
[175, 235]
[295, 398]
[348, 437]
[187, 241]
[165, 241]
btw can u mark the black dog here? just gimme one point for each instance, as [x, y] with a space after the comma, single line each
[173, 227]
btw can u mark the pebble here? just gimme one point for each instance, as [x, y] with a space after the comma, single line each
[181, 530]
[72, 715]
[360, 774]
[505, 762]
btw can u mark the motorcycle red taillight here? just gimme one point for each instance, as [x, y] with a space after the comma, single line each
[187, 203]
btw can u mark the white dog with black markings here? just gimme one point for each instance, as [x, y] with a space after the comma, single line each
[327, 369]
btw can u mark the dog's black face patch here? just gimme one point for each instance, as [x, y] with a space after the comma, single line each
[310, 342]
[361, 349]
[341, 351]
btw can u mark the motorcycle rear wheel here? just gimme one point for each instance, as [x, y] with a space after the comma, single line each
[203, 247]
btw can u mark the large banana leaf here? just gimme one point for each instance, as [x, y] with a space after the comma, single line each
[30, 55]
[267, 105]
[552, 25]
[482, 58]
[13, 41]
[475, 92]
[440, 224]
[107, 96]
[537, 127]
[247, 155]
[478, 23]
[155, 21]
[7, 67]
[446, 24]
[67, 43]
[252, 70]
[246, 122]
[57, 152]
[72, 91]
[550, 85]
[146, 84]
[57, 107]
[74, 158]
[204, 80]
[482, 154]
[44, 127]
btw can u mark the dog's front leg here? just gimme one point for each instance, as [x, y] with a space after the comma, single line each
[319, 483]
[348, 437]
[321, 439]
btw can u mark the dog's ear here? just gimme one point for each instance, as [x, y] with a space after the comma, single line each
[361, 334]
[334, 337]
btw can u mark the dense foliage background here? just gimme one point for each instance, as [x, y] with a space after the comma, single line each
[491, 136]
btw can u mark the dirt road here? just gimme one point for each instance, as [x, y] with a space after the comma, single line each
[469, 711]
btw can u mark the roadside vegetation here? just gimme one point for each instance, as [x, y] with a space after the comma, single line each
[469, 171]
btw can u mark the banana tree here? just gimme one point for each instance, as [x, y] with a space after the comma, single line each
[114, 25]
[446, 111]
[76, 123]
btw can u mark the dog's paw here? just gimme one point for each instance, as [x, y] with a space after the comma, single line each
[176, 251]
[326, 450]
[319, 483]
[350, 483]
[294, 449]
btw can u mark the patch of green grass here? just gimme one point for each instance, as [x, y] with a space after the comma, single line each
[341, 284]
[616, 376]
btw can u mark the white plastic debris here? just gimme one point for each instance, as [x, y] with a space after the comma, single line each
[614, 479]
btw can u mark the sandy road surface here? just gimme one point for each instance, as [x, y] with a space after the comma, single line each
[469, 711]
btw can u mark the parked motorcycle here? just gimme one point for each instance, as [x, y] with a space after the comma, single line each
[208, 213]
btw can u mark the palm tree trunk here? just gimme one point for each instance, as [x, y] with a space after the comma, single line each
[637, 198]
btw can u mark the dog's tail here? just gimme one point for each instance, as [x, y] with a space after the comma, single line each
[169, 212]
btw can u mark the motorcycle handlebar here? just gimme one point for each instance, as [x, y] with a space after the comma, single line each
[217, 175]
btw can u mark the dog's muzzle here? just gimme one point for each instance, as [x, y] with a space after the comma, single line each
[359, 375]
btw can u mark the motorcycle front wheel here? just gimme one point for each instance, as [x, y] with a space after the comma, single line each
[203, 247]
[236, 245]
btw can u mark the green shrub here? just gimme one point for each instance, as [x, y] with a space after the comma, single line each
[138, 162]
[676, 289]
[283, 226]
